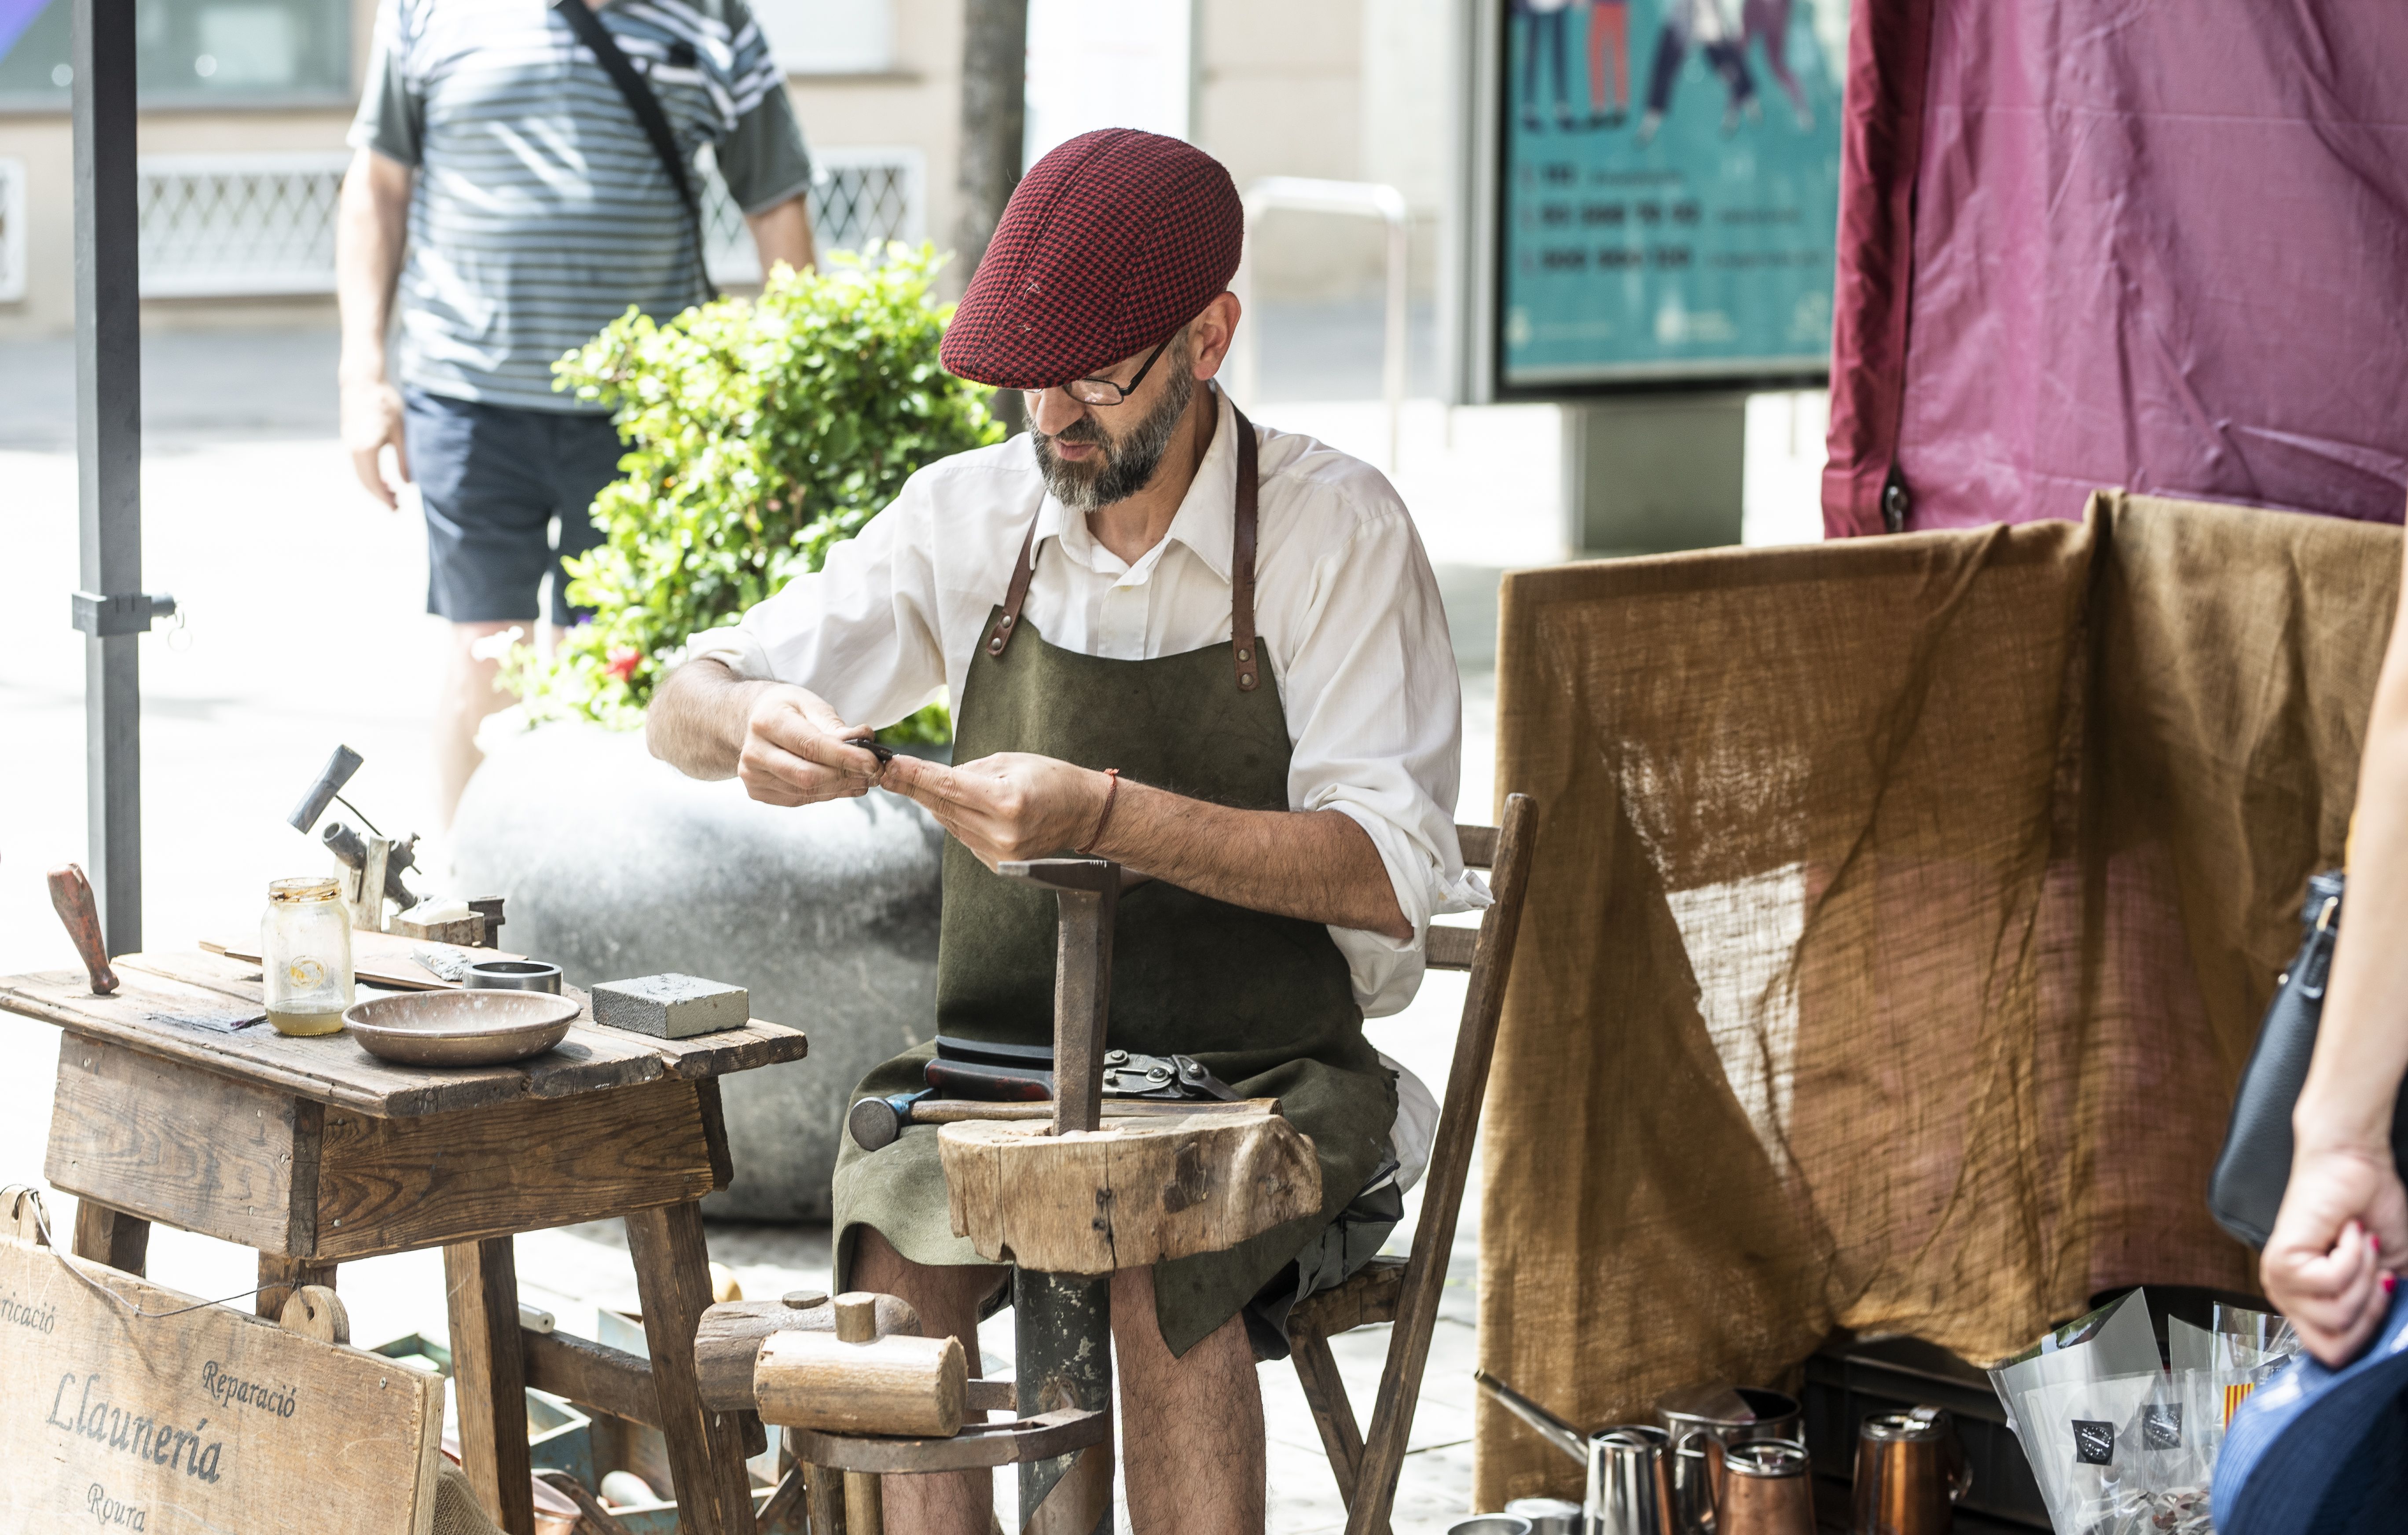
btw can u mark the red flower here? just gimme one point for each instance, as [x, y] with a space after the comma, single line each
[624, 659]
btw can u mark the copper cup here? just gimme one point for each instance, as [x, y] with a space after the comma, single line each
[1911, 1471]
[1767, 1489]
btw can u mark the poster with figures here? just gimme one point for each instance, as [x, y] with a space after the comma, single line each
[1671, 190]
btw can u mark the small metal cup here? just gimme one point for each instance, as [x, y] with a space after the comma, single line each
[514, 975]
[1767, 1489]
[1626, 1483]
[1548, 1515]
[1911, 1471]
[1490, 1524]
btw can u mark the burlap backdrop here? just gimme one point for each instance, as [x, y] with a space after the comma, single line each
[1903, 912]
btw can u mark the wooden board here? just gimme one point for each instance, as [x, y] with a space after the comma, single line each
[1136, 1193]
[202, 1423]
[388, 1185]
[384, 960]
[192, 1150]
[334, 1070]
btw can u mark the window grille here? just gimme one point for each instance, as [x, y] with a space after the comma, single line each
[12, 230]
[859, 196]
[231, 225]
[226, 225]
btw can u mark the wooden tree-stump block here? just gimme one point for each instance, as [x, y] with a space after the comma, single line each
[1136, 1193]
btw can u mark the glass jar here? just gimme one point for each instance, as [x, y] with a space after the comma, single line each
[305, 956]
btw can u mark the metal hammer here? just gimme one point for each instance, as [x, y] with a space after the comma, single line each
[1087, 893]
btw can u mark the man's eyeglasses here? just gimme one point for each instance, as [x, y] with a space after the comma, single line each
[1103, 390]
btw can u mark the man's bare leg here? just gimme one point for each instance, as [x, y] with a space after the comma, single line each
[1192, 1450]
[468, 695]
[948, 1300]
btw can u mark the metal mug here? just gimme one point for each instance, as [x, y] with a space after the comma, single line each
[514, 975]
[1717, 1414]
[1911, 1471]
[1627, 1484]
[1490, 1524]
[1548, 1515]
[1767, 1489]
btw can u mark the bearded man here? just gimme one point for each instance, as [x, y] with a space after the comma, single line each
[1210, 652]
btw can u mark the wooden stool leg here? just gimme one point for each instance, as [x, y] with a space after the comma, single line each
[1324, 1392]
[865, 1504]
[706, 1448]
[278, 1277]
[489, 1378]
[111, 1235]
[823, 1492]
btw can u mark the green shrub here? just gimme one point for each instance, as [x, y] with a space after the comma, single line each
[760, 434]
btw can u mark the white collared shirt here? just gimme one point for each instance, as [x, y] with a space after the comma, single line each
[1345, 603]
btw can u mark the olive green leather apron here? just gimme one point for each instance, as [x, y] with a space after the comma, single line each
[1264, 1002]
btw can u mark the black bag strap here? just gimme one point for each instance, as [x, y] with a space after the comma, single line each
[647, 107]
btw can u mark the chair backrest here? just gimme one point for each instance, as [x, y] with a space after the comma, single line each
[1450, 948]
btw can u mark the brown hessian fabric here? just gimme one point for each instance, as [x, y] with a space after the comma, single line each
[1905, 916]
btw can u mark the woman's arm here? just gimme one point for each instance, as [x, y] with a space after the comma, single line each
[2342, 1233]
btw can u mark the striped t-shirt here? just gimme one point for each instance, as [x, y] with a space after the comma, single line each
[540, 211]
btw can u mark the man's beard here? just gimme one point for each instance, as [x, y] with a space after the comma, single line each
[1123, 466]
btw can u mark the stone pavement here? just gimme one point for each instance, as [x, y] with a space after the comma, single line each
[304, 626]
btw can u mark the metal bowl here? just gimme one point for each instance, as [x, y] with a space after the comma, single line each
[460, 1027]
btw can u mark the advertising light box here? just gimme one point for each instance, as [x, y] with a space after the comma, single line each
[1669, 190]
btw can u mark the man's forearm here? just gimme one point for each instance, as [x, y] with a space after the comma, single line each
[783, 233]
[2362, 1043]
[697, 721]
[1316, 864]
[371, 226]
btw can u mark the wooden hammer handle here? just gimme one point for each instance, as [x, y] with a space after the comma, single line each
[71, 893]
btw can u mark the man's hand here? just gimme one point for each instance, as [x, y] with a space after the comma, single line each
[372, 421]
[1007, 806]
[2330, 1263]
[795, 751]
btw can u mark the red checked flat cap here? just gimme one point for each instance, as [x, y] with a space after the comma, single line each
[1113, 241]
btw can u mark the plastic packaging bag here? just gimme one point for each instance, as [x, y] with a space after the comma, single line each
[2117, 1445]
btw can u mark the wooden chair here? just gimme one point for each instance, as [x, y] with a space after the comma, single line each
[1406, 1291]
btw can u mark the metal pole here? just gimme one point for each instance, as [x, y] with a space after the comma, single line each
[112, 609]
[1062, 1356]
[995, 130]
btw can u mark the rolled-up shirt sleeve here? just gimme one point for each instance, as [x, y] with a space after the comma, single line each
[862, 632]
[1375, 705]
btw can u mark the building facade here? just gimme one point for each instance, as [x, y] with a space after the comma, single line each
[245, 104]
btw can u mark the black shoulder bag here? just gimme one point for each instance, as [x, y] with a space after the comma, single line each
[647, 107]
[2256, 1163]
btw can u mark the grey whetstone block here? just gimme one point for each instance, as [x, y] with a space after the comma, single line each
[671, 1007]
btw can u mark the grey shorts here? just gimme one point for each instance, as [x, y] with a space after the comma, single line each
[493, 476]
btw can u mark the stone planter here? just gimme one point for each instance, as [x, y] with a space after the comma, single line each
[616, 864]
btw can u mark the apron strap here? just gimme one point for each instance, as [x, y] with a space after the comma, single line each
[1242, 641]
[1023, 570]
[1241, 558]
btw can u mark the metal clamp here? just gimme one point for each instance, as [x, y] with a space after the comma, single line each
[127, 613]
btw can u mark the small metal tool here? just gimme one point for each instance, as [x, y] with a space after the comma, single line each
[870, 744]
[1087, 892]
[346, 845]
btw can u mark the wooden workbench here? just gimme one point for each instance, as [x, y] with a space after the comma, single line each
[312, 1151]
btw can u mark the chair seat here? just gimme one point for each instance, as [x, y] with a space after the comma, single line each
[1367, 1297]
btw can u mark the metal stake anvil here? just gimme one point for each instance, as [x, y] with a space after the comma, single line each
[1062, 1324]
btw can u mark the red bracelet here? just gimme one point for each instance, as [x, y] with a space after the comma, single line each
[1111, 791]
